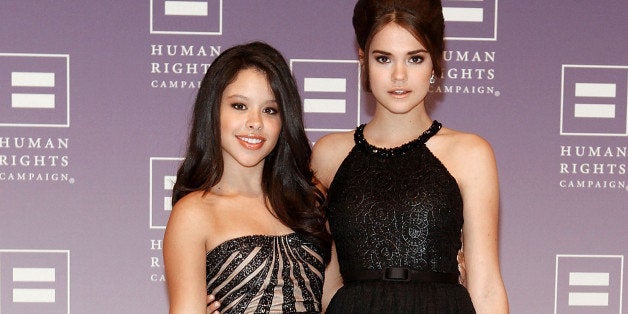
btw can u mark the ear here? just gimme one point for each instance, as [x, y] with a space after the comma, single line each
[361, 56]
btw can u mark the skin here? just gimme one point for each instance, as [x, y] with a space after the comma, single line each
[250, 125]
[399, 71]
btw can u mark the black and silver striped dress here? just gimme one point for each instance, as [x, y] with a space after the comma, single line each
[266, 274]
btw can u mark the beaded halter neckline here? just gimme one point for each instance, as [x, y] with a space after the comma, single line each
[358, 136]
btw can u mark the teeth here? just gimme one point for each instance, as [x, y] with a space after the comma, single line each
[399, 92]
[251, 140]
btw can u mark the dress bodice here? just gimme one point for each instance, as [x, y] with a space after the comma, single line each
[266, 274]
[396, 207]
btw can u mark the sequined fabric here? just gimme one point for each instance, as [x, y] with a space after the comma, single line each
[266, 274]
[396, 207]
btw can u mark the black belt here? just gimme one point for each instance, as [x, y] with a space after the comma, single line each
[398, 274]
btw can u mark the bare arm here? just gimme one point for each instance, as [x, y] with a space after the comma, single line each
[480, 192]
[327, 155]
[333, 279]
[184, 260]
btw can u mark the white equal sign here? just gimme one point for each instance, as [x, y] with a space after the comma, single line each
[325, 85]
[462, 14]
[588, 279]
[31, 275]
[33, 100]
[595, 90]
[186, 8]
[169, 182]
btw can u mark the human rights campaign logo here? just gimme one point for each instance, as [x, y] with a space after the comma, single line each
[34, 90]
[588, 284]
[470, 20]
[34, 281]
[594, 100]
[163, 175]
[331, 93]
[186, 17]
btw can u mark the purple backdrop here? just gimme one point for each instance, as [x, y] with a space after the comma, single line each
[95, 97]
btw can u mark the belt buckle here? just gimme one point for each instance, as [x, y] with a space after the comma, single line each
[396, 274]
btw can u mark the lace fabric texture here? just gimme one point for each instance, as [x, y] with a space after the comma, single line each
[396, 207]
[266, 274]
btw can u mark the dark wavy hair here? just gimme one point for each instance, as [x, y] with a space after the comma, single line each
[287, 181]
[422, 18]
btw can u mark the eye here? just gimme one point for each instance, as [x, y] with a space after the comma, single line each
[382, 59]
[415, 59]
[270, 110]
[238, 106]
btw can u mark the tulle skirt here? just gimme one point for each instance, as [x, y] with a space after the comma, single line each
[401, 297]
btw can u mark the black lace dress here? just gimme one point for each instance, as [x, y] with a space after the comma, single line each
[396, 217]
[266, 274]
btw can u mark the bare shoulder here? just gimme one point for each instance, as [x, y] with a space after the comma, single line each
[198, 219]
[328, 153]
[462, 153]
[195, 210]
[191, 204]
[331, 143]
[459, 144]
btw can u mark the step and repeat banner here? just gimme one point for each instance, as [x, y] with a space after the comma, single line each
[95, 98]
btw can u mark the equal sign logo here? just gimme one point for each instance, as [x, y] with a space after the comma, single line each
[34, 90]
[33, 275]
[162, 179]
[169, 182]
[186, 17]
[594, 100]
[331, 93]
[589, 284]
[324, 85]
[596, 90]
[579, 280]
[470, 19]
[34, 281]
[33, 100]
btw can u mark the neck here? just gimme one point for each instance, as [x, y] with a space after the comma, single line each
[386, 127]
[240, 181]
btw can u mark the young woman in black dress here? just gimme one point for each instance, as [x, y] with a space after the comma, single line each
[402, 188]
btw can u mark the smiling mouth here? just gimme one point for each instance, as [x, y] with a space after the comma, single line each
[250, 140]
[399, 92]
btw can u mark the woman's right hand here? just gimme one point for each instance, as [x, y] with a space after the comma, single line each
[462, 268]
[212, 305]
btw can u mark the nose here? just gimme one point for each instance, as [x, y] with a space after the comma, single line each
[399, 72]
[254, 122]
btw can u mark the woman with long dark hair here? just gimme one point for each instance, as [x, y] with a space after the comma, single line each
[246, 224]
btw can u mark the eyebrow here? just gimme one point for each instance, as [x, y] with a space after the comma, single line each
[386, 53]
[238, 96]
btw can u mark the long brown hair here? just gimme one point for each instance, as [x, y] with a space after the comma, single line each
[287, 181]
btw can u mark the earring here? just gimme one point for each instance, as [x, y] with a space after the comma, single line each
[432, 79]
